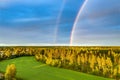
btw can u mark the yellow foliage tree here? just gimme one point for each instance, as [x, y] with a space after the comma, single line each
[10, 72]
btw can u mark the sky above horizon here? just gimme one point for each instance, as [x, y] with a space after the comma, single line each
[42, 22]
[98, 23]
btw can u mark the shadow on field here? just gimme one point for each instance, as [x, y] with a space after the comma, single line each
[19, 79]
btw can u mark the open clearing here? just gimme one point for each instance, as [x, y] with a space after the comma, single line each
[29, 69]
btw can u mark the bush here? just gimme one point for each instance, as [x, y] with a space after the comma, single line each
[10, 72]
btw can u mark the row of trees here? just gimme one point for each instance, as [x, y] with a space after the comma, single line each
[102, 61]
[99, 61]
[13, 52]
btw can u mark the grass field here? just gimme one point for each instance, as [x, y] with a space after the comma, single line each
[29, 69]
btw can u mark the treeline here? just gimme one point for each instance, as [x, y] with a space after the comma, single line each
[13, 52]
[101, 61]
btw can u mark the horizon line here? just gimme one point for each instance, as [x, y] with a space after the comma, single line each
[55, 45]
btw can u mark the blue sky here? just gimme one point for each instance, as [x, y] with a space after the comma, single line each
[98, 23]
[50, 22]
[36, 22]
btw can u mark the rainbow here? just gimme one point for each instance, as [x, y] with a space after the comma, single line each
[76, 21]
[58, 20]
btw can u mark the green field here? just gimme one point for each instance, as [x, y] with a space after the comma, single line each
[29, 69]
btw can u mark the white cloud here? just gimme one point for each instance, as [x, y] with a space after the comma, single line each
[34, 44]
[16, 36]
[24, 1]
[26, 19]
[7, 3]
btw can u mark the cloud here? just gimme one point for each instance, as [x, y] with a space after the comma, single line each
[7, 3]
[15, 36]
[34, 44]
[26, 20]
[99, 23]
[29, 19]
[25, 1]
[33, 22]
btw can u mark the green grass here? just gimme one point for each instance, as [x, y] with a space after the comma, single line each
[29, 69]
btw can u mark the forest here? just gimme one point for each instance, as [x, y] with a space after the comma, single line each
[95, 60]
